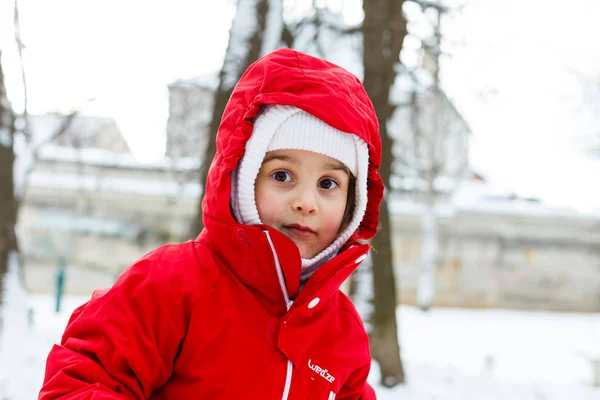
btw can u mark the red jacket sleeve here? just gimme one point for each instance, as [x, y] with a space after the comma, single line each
[123, 342]
[356, 387]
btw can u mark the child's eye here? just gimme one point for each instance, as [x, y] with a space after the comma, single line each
[328, 184]
[282, 176]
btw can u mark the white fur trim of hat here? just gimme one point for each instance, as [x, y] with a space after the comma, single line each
[286, 127]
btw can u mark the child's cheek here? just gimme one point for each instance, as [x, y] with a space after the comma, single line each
[332, 221]
[267, 209]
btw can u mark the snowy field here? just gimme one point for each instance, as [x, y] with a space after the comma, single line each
[449, 354]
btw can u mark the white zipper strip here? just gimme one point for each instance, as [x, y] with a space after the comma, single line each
[282, 285]
[288, 381]
[331, 396]
[288, 304]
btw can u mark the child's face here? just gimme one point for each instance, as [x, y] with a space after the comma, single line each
[303, 195]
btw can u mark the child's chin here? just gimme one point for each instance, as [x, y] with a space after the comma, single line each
[307, 255]
[305, 252]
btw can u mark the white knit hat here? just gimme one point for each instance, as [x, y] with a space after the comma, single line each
[285, 127]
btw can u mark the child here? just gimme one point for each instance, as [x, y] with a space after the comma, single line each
[251, 309]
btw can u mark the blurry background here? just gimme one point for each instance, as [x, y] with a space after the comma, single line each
[487, 279]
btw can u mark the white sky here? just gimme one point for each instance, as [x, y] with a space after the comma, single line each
[514, 73]
[532, 122]
[123, 53]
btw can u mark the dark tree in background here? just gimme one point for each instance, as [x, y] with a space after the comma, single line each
[17, 162]
[8, 204]
[384, 29]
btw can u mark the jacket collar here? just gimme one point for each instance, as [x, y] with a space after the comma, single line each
[247, 254]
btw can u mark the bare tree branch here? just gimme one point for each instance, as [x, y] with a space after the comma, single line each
[20, 47]
[252, 42]
[431, 4]
[35, 149]
[410, 161]
[64, 126]
[305, 21]
[8, 205]
[318, 24]
[287, 36]
[352, 29]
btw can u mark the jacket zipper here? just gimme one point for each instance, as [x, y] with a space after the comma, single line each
[288, 304]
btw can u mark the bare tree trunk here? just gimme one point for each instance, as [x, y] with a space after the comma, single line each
[384, 336]
[231, 71]
[13, 185]
[384, 31]
[435, 160]
[8, 206]
[429, 253]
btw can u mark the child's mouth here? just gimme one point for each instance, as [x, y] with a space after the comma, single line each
[300, 231]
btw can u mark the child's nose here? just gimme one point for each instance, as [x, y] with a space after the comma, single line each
[305, 202]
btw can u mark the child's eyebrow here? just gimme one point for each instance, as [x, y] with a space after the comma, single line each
[328, 166]
[336, 167]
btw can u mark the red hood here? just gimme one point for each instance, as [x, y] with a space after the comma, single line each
[288, 77]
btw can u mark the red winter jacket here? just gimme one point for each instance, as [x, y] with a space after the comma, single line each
[208, 319]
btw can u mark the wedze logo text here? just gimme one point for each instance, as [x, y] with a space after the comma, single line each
[323, 372]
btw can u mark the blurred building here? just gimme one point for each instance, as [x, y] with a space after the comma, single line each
[497, 250]
[190, 112]
[91, 205]
[429, 135]
[82, 132]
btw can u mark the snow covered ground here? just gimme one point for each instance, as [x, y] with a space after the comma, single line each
[497, 354]
[449, 354]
